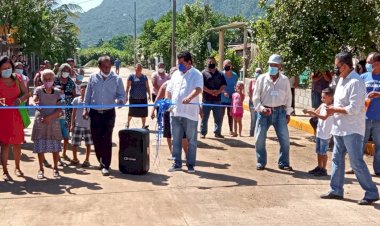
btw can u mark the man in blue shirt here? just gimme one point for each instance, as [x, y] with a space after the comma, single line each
[117, 65]
[231, 79]
[372, 83]
[104, 88]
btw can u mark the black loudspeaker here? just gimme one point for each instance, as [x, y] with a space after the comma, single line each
[134, 151]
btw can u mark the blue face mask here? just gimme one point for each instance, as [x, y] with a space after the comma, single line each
[273, 71]
[182, 68]
[368, 67]
[257, 75]
[6, 73]
[80, 77]
[19, 71]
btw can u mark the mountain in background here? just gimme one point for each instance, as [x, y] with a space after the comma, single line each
[115, 17]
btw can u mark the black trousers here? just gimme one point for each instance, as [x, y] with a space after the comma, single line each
[102, 124]
[293, 98]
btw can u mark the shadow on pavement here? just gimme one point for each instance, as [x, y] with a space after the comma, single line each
[291, 142]
[212, 165]
[239, 181]
[207, 146]
[49, 186]
[154, 178]
[234, 143]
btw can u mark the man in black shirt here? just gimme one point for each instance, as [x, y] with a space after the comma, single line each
[214, 84]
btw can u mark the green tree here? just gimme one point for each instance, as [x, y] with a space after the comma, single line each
[310, 33]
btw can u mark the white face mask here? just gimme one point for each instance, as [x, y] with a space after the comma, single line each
[161, 70]
[65, 74]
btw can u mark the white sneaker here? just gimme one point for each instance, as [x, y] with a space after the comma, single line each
[105, 172]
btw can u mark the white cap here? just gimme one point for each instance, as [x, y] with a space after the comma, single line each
[275, 59]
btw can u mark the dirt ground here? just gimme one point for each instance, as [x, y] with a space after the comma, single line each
[225, 190]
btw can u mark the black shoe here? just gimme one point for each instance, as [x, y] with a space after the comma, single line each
[364, 202]
[330, 195]
[287, 168]
[260, 167]
[219, 136]
[321, 173]
[316, 169]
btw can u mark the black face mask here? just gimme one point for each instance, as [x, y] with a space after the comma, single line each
[211, 66]
[337, 71]
[227, 68]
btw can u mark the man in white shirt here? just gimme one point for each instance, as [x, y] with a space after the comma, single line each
[183, 89]
[348, 131]
[272, 99]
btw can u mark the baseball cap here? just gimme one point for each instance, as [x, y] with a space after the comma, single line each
[275, 59]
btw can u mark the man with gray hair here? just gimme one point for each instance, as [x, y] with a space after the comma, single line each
[104, 88]
[348, 131]
[272, 99]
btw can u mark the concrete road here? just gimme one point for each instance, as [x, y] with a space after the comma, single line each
[225, 190]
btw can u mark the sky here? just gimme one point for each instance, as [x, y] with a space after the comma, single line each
[85, 4]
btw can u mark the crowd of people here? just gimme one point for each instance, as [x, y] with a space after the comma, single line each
[338, 103]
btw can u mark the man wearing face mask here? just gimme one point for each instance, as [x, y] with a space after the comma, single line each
[348, 131]
[372, 83]
[104, 87]
[184, 88]
[272, 99]
[158, 78]
[214, 85]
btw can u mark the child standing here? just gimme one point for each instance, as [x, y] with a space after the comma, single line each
[323, 134]
[237, 107]
[80, 128]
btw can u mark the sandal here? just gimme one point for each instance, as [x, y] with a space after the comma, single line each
[47, 164]
[40, 175]
[65, 157]
[55, 173]
[19, 173]
[74, 162]
[86, 164]
[7, 177]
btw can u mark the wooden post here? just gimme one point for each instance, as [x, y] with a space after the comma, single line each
[221, 50]
[245, 56]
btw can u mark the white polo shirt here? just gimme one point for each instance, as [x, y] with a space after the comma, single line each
[350, 94]
[180, 86]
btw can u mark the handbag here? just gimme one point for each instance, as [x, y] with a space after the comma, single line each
[23, 111]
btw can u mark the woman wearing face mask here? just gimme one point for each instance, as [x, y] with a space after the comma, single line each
[19, 69]
[158, 78]
[12, 128]
[68, 87]
[46, 133]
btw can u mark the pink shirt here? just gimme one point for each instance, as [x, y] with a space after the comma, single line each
[237, 104]
[160, 80]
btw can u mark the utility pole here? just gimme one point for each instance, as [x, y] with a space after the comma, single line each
[174, 20]
[135, 28]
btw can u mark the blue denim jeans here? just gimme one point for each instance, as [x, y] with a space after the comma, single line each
[217, 113]
[353, 145]
[179, 126]
[373, 127]
[278, 120]
[253, 119]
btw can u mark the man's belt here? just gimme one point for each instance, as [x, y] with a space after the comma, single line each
[276, 108]
[102, 111]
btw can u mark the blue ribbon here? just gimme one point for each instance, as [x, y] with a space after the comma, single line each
[163, 106]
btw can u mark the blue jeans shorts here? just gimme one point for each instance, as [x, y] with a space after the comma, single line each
[322, 146]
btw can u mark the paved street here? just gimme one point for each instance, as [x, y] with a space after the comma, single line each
[225, 190]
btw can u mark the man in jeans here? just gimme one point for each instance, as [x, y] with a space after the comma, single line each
[214, 85]
[272, 99]
[348, 131]
[183, 89]
[372, 83]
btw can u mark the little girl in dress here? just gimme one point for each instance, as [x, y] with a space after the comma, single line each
[237, 107]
